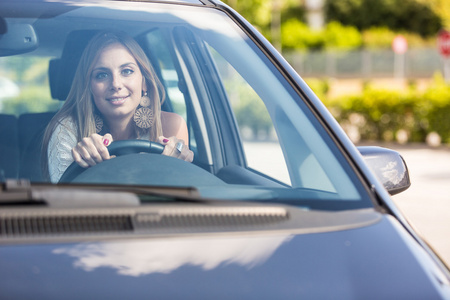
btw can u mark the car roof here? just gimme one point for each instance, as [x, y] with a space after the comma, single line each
[198, 2]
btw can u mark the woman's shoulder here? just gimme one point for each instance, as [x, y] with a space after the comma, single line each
[173, 125]
[65, 124]
[170, 116]
[170, 119]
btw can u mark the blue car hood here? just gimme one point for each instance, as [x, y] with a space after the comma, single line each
[378, 261]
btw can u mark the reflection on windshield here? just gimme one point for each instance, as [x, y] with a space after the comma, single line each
[141, 257]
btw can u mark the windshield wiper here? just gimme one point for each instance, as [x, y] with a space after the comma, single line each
[17, 192]
[20, 192]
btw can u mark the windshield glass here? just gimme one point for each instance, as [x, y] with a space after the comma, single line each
[159, 95]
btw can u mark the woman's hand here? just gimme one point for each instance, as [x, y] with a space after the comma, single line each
[176, 148]
[92, 150]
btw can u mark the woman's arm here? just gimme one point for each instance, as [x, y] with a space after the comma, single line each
[59, 151]
[176, 137]
[63, 149]
[174, 125]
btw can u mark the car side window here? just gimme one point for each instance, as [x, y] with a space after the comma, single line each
[160, 51]
[262, 150]
[24, 85]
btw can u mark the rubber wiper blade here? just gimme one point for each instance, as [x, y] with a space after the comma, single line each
[20, 192]
[147, 193]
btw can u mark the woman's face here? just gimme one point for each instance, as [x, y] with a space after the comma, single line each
[116, 83]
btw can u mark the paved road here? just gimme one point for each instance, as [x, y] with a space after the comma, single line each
[426, 204]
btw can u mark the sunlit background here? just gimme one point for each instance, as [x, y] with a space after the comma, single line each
[382, 67]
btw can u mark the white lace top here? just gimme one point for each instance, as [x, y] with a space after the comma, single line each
[63, 139]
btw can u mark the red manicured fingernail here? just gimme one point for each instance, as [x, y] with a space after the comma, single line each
[106, 142]
[165, 140]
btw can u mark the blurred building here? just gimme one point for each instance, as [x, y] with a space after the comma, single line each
[315, 15]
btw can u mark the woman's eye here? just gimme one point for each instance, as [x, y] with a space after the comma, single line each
[127, 71]
[101, 75]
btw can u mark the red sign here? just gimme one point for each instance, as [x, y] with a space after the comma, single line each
[444, 43]
[399, 44]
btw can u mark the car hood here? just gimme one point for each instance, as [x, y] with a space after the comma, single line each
[378, 261]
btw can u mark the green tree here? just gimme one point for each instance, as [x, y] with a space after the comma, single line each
[260, 12]
[297, 35]
[337, 36]
[257, 12]
[442, 8]
[408, 15]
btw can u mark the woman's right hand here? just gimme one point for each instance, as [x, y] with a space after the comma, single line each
[92, 150]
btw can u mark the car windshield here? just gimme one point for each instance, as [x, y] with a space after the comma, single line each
[249, 133]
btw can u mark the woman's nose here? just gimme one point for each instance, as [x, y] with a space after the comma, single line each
[116, 82]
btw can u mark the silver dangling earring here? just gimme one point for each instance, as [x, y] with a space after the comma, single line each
[98, 123]
[144, 115]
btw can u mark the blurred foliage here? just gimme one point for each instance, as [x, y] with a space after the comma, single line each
[30, 76]
[321, 87]
[375, 114]
[22, 69]
[435, 107]
[297, 35]
[342, 37]
[442, 8]
[383, 115]
[381, 37]
[31, 99]
[251, 112]
[398, 15]
[257, 12]
[379, 114]
[350, 23]
[378, 37]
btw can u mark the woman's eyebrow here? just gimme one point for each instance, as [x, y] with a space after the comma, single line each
[101, 68]
[127, 64]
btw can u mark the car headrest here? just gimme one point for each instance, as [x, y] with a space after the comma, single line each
[61, 71]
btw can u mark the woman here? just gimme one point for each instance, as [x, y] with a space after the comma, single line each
[115, 95]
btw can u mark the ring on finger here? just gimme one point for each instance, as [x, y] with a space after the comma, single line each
[179, 146]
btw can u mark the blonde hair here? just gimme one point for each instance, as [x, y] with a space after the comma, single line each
[80, 106]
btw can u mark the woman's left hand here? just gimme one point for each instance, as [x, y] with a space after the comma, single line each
[176, 148]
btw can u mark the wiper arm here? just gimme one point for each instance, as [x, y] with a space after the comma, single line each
[17, 192]
[20, 192]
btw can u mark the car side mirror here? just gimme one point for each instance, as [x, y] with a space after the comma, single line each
[389, 167]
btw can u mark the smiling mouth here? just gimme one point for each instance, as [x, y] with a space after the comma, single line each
[117, 100]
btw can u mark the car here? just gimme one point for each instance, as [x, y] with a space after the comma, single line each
[277, 202]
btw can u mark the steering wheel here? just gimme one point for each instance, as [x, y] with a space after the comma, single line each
[117, 148]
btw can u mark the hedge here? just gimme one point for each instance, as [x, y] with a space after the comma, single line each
[387, 115]
[373, 115]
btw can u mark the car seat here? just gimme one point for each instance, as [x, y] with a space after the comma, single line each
[9, 147]
[32, 126]
[31, 131]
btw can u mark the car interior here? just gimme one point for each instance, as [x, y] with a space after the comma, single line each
[192, 62]
[24, 133]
